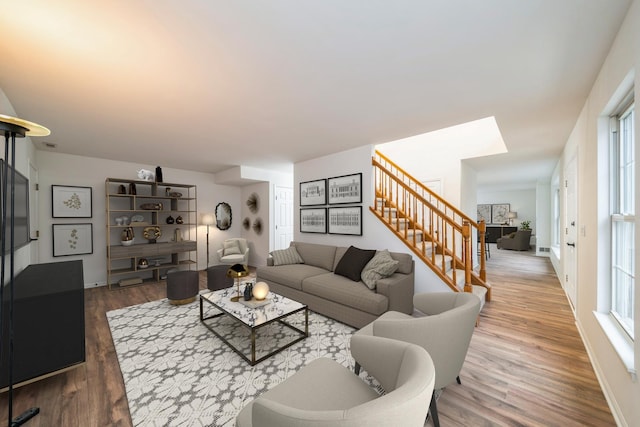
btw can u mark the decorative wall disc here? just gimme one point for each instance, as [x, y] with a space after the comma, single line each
[257, 226]
[246, 223]
[252, 202]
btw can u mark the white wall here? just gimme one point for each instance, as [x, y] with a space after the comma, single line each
[521, 201]
[543, 217]
[375, 235]
[64, 169]
[588, 141]
[258, 243]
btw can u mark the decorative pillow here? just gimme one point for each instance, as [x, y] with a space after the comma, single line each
[231, 248]
[380, 266]
[286, 256]
[353, 261]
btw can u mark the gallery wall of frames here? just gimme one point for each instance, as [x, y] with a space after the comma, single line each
[332, 205]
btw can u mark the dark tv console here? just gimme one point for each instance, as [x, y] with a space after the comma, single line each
[48, 322]
[494, 232]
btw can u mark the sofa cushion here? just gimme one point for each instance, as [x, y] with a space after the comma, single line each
[380, 266]
[290, 275]
[231, 248]
[344, 291]
[286, 256]
[405, 265]
[353, 261]
[316, 255]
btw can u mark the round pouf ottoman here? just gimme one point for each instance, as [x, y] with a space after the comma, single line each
[217, 277]
[182, 286]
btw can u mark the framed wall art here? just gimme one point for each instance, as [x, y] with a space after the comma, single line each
[499, 213]
[345, 189]
[70, 202]
[72, 239]
[484, 213]
[313, 193]
[313, 220]
[346, 220]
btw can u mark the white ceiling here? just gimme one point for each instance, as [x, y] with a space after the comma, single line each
[209, 84]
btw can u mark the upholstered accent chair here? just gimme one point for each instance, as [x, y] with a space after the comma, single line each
[444, 332]
[325, 393]
[234, 251]
[518, 241]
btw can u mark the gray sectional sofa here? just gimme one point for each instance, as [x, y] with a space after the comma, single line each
[314, 283]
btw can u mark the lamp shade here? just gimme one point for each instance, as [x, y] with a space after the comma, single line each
[260, 291]
[26, 128]
[512, 215]
[207, 219]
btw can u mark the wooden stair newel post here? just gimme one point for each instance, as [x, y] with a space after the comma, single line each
[466, 250]
[482, 229]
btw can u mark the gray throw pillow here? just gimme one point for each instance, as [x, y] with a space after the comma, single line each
[286, 256]
[353, 261]
[381, 265]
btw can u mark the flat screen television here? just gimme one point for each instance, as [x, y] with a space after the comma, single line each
[21, 220]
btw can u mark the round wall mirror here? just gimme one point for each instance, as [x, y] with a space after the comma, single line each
[223, 216]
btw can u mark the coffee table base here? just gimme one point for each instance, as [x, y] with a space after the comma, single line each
[253, 361]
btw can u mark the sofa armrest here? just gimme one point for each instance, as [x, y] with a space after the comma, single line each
[399, 289]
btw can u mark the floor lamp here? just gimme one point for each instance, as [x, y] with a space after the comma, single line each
[207, 219]
[12, 127]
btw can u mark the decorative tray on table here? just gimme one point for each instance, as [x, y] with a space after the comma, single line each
[254, 303]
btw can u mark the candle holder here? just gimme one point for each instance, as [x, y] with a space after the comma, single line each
[237, 271]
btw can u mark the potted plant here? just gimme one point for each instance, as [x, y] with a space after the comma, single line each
[525, 225]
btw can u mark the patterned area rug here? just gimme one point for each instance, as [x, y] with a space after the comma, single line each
[178, 373]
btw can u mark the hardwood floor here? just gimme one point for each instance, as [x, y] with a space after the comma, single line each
[526, 365]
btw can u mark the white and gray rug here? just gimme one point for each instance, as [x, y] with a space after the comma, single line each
[178, 373]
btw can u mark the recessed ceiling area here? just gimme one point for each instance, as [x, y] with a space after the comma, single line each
[212, 85]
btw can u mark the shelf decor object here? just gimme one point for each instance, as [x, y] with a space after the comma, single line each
[237, 271]
[12, 127]
[70, 202]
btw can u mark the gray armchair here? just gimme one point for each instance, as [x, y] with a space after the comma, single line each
[445, 332]
[518, 241]
[325, 393]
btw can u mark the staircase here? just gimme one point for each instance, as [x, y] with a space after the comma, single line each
[438, 233]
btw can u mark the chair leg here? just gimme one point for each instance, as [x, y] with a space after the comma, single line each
[458, 379]
[356, 369]
[433, 410]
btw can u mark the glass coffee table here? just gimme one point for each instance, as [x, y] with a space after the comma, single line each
[233, 317]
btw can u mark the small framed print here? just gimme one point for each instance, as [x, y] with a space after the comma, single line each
[313, 220]
[346, 220]
[484, 213]
[313, 193]
[345, 189]
[72, 239]
[499, 213]
[70, 202]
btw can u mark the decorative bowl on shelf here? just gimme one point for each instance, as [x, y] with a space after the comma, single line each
[126, 242]
[151, 206]
[143, 263]
[175, 194]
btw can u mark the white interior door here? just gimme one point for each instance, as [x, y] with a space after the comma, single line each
[571, 231]
[283, 217]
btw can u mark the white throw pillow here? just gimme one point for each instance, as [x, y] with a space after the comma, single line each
[231, 248]
[380, 266]
[286, 256]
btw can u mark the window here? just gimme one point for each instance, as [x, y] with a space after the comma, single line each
[622, 197]
[555, 226]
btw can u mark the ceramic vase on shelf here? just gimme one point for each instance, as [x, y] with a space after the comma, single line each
[170, 220]
[127, 237]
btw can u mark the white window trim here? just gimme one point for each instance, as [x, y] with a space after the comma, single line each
[620, 341]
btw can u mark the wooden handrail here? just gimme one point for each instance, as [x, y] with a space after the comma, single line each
[447, 233]
[457, 211]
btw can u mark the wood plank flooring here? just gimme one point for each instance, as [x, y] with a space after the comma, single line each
[526, 365]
